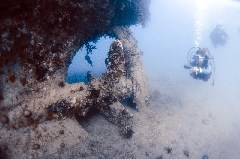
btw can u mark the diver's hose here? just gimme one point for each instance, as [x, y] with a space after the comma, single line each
[211, 57]
[191, 51]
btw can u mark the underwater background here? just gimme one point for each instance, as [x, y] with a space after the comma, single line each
[190, 116]
[174, 28]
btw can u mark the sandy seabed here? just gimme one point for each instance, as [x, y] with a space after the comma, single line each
[184, 119]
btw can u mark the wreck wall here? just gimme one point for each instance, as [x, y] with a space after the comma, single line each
[39, 38]
[38, 110]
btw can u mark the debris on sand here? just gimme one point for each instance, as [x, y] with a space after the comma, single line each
[168, 150]
[160, 157]
[186, 153]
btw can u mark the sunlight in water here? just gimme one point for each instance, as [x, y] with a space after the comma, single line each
[200, 16]
[202, 9]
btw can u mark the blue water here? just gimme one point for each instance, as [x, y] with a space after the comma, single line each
[77, 70]
[175, 27]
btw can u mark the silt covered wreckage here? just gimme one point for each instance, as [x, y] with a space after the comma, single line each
[39, 111]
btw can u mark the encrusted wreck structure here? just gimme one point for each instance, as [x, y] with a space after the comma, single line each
[38, 110]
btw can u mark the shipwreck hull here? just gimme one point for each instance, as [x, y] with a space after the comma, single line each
[38, 109]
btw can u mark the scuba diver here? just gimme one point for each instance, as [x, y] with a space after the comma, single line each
[201, 63]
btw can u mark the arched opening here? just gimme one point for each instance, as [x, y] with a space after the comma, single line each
[89, 61]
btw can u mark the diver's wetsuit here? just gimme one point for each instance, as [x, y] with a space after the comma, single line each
[206, 70]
